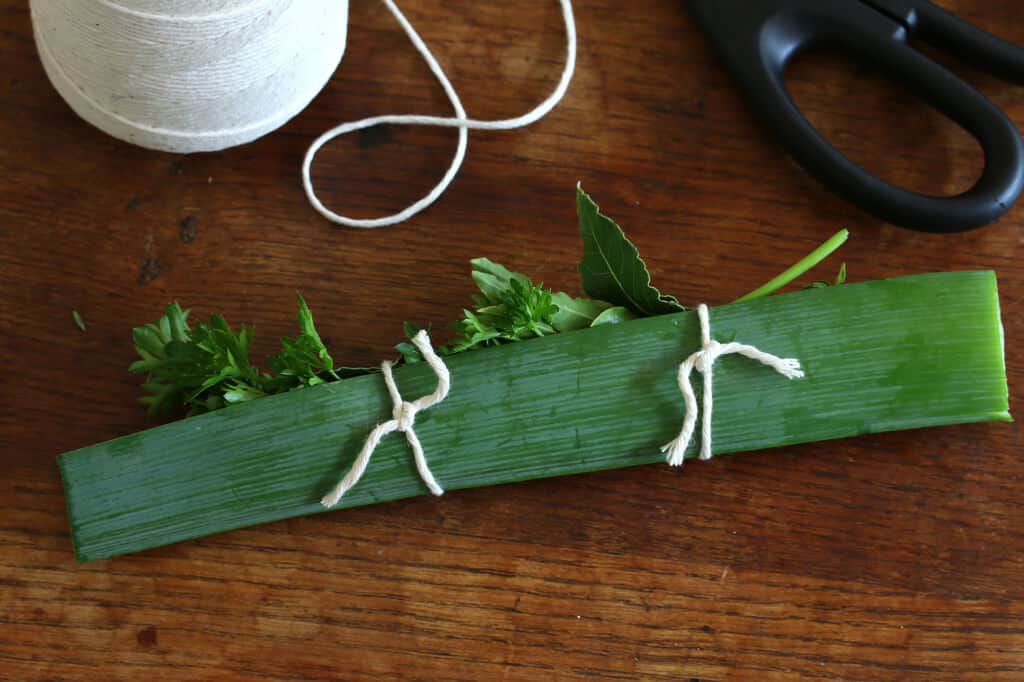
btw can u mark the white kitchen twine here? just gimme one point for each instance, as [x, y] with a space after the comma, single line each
[460, 121]
[403, 418]
[703, 361]
[203, 75]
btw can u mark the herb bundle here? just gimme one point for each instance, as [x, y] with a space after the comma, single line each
[881, 355]
[208, 367]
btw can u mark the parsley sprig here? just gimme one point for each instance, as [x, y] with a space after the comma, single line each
[509, 308]
[208, 367]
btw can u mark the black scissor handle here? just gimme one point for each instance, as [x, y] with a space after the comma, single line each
[758, 38]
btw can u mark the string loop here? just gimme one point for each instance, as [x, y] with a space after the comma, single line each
[460, 121]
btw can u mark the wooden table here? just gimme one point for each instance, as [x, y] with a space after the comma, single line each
[886, 557]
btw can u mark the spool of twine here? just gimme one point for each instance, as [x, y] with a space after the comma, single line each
[189, 75]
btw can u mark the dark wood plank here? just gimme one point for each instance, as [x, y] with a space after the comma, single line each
[884, 558]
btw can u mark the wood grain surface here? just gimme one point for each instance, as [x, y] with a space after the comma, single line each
[889, 557]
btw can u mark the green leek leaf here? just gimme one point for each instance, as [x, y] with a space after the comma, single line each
[893, 354]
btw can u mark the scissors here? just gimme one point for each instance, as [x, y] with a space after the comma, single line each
[757, 39]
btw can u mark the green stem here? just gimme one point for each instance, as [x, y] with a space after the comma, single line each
[808, 262]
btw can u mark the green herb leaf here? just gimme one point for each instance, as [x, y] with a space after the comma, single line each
[302, 360]
[309, 330]
[77, 318]
[512, 308]
[616, 315]
[822, 284]
[575, 313]
[494, 279]
[612, 269]
[530, 309]
[410, 353]
[411, 329]
[172, 376]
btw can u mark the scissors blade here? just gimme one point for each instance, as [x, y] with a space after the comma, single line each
[946, 31]
[897, 10]
[740, 29]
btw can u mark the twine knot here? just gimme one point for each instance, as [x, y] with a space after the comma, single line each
[703, 361]
[706, 357]
[404, 415]
[403, 418]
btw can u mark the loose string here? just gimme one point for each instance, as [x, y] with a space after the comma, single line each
[460, 121]
[403, 418]
[703, 361]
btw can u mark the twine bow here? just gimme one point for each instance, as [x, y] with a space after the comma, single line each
[403, 418]
[703, 361]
